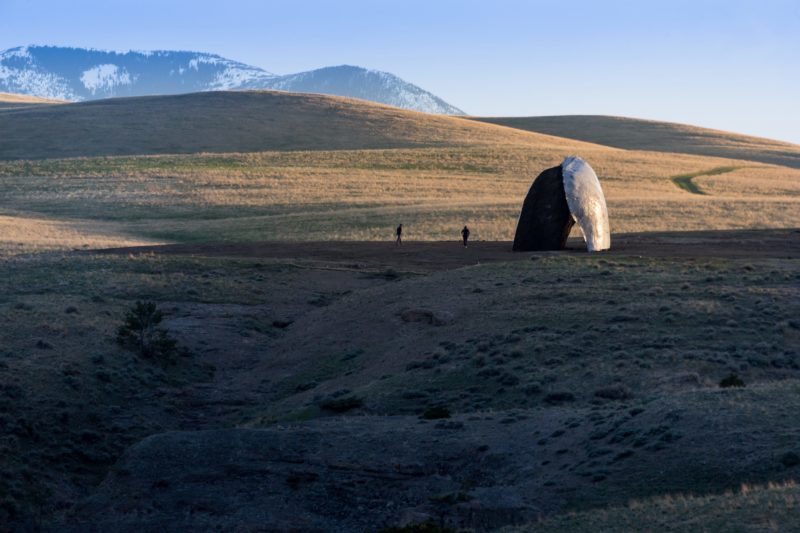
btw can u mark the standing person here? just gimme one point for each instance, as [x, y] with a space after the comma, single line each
[399, 232]
[465, 235]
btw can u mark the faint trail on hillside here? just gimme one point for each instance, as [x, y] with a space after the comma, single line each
[684, 181]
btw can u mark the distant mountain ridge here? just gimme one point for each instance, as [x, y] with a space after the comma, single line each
[373, 85]
[79, 74]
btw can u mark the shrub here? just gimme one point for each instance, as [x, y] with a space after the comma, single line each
[302, 387]
[559, 397]
[436, 412]
[532, 389]
[43, 345]
[508, 380]
[614, 392]
[140, 333]
[790, 459]
[341, 405]
[389, 274]
[451, 498]
[424, 527]
[731, 381]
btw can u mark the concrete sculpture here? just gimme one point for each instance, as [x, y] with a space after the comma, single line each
[559, 197]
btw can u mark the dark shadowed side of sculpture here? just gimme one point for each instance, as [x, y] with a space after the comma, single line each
[545, 220]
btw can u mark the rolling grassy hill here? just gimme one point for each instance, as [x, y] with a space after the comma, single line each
[12, 101]
[239, 166]
[226, 121]
[636, 134]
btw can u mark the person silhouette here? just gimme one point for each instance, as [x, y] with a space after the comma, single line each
[399, 232]
[465, 235]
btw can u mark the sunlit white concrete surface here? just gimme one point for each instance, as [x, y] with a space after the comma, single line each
[587, 203]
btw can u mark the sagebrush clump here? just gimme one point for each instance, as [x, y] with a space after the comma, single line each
[436, 412]
[140, 333]
[732, 380]
[341, 405]
[423, 527]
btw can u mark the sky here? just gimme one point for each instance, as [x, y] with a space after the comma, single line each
[732, 65]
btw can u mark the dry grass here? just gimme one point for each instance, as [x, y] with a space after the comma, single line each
[771, 507]
[636, 134]
[432, 173]
[16, 101]
[247, 121]
[363, 194]
[753, 181]
[23, 234]
[27, 99]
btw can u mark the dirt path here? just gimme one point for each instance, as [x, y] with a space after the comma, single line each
[431, 256]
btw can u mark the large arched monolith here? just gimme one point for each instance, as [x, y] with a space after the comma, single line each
[545, 219]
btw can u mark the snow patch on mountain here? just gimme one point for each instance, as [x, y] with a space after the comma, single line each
[87, 74]
[20, 52]
[35, 83]
[19, 73]
[232, 78]
[105, 78]
[367, 84]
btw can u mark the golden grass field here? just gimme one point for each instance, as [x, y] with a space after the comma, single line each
[240, 121]
[26, 99]
[330, 168]
[637, 134]
[11, 100]
[24, 234]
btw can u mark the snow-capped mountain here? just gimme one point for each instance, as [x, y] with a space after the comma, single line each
[366, 84]
[82, 74]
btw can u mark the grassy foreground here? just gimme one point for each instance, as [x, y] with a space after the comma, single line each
[363, 195]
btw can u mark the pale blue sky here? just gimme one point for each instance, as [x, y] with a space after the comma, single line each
[726, 64]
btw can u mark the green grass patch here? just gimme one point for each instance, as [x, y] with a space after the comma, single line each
[684, 181]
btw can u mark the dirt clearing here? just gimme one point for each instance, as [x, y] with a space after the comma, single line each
[440, 255]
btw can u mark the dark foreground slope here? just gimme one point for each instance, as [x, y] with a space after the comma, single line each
[479, 471]
[637, 134]
[571, 381]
